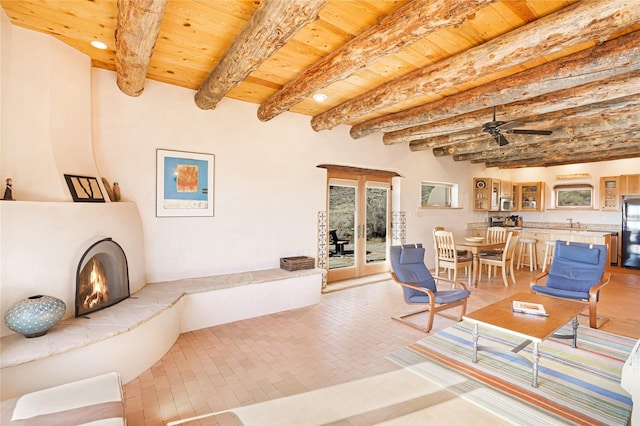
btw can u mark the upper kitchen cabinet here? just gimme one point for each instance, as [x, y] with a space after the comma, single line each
[515, 196]
[486, 194]
[610, 193]
[506, 190]
[495, 195]
[481, 194]
[630, 184]
[531, 196]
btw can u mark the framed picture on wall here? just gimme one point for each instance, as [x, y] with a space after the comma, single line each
[184, 183]
[84, 189]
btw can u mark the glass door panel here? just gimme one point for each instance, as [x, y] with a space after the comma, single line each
[376, 225]
[342, 223]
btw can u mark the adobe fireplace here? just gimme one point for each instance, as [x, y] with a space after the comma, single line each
[102, 279]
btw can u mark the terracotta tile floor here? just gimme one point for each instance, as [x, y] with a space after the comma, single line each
[331, 351]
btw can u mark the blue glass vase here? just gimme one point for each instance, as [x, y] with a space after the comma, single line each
[35, 315]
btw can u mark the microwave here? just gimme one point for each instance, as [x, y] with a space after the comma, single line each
[506, 204]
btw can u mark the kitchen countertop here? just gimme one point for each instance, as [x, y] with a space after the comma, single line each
[573, 231]
[585, 229]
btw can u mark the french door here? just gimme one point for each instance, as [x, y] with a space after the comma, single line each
[358, 223]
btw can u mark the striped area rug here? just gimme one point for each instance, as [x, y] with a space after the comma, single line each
[575, 386]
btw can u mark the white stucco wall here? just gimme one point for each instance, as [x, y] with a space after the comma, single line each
[268, 189]
[60, 116]
[46, 115]
[45, 133]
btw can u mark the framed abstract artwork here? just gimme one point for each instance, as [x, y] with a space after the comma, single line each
[184, 183]
[84, 189]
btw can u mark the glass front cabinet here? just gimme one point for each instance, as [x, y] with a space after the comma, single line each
[531, 196]
[486, 194]
[610, 193]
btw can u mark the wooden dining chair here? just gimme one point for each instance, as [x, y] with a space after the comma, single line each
[496, 234]
[503, 260]
[435, 248]
[448, 257]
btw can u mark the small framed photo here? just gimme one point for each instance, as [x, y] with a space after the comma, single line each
[84, 189]
[184, 183]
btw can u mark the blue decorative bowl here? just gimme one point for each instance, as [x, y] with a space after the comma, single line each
[35, 315]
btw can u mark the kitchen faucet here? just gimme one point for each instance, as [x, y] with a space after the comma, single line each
[570, 222]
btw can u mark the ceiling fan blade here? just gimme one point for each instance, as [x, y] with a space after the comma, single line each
[509, 125]
[527, 132]
[502, 141]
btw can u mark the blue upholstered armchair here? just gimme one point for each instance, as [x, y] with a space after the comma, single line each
[419, 286]
[577, 272]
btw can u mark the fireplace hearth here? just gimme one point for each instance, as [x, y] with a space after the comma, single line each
[102, 279]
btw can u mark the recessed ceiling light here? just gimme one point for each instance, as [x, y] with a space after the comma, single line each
[320, 97]
[98, 44]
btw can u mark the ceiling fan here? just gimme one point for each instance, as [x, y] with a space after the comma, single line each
[497, 128]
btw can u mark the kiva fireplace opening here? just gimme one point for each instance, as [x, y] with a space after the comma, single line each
[102, 279]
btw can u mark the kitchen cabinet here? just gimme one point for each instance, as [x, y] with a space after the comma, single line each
[630, 184]
[486, 194]
[531, 196]
[506, 189]
[495, 195]
[514, 197]
[610, 193]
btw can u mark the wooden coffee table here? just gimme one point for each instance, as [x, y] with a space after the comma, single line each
[533, 328]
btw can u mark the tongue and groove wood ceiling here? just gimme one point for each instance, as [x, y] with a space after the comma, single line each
[426, 73]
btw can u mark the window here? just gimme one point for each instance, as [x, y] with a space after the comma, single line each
[438, 194]
[573, 196]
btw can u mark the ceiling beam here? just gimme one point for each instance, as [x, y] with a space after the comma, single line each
[570, 26]
[268, 29]
[563, 123]
[563, 147]
[137, 30]
[574, 135]
[599, 91]
[589, 157]
[600, 62]
[412, 22]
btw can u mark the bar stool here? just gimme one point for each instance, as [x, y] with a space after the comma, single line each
[548, 253]
[528, 248]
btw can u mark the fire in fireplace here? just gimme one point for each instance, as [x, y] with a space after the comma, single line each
[103, 277]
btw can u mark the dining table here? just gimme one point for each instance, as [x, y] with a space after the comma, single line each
[475, 247]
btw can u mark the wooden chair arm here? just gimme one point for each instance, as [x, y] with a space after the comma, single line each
[418, 288]
[432, 297]
[454, 284]
[536, 278]
[593, 291]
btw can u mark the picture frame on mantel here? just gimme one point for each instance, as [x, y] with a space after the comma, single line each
[85, 189]
[184, 183]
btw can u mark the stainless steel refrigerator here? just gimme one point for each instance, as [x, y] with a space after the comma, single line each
[630, 255]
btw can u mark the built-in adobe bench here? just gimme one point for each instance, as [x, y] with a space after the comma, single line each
[134, 334]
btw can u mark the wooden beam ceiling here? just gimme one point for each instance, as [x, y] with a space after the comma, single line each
[405, 26]
[425, 73]
[561, 30]
[270, 27]
[598, 63]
